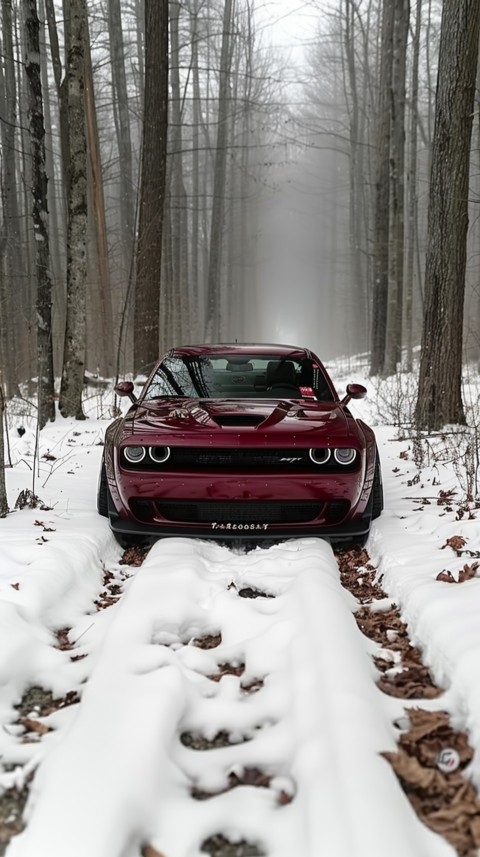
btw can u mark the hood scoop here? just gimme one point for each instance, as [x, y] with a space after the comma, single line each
[238, 420]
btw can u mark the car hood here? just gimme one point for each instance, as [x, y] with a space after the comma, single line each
[248, 417]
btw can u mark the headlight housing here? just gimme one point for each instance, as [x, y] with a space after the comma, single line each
[345, 456]
[319, 456]
[159, 454]
[134, 454]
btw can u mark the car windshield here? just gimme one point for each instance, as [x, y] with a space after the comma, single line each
[234, 376]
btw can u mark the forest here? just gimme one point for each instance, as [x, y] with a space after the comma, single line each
[170, 175]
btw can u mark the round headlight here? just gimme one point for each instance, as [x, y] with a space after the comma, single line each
[345, 456]
[159, 454]
[319, 456]
[134, 454]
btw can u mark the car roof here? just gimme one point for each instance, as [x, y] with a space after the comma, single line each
[240, 348]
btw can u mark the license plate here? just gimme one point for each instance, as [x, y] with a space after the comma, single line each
[242, 527]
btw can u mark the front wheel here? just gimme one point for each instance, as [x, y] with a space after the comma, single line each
[377, 492]
[103, 492]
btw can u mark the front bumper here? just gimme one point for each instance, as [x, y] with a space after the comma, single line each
[347, 532]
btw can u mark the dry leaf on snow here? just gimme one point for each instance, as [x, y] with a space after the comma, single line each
[150, 851]
[34, 726]
[456, 543]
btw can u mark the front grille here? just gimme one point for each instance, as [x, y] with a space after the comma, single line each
[239, 459]
[239, 512]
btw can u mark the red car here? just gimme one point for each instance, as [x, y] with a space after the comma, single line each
[231, 441]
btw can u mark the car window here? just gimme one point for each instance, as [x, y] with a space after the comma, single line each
[239, 376]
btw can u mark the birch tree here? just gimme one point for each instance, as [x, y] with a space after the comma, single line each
[74, 349]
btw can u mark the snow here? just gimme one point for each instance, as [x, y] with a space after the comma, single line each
[113, 775]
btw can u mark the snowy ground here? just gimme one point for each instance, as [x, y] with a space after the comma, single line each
[175, 709]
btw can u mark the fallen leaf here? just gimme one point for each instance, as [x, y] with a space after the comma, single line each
[467, 572]
[150, 851]
[456, 543]
[34, 726]
[409, 770]
[446, 576]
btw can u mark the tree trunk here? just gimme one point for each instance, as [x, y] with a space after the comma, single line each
[412, 225]
[178, 196]
[46, 402]
[393, 344]
[382, 196]
[105, 329]
[152, 189]
[74, 349]
[3, 489]
[11, 222]
[122, 127]
[213, 324]
[439, 393]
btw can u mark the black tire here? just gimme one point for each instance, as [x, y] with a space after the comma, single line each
[377, 492]
[103, 492]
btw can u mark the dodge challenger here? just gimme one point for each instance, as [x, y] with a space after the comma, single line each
[237, 440]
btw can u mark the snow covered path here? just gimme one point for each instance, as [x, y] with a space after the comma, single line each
[316, 725]
[202, 711]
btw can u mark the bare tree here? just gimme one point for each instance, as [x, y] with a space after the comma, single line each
[152, 188]
[216, 231]
[382, 195]
[74, 350]
[46, 404]
[122, 128]
[11, 232]
[393, 344]
[3, 489]
[439, 393]
[412, 220]
[102, 292]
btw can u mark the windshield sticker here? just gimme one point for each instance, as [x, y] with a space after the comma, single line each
[307, 393]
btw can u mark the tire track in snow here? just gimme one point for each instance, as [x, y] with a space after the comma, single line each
[120, 777]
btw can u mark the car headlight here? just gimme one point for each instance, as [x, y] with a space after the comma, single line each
[345, 456]
[134, 454]
[159, 454]
[320, 456]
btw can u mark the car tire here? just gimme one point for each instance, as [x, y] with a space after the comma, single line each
[377, 492]
[103, 492]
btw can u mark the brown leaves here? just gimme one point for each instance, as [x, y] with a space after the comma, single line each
[150, 851]
[134, 555]
[409, 678]
[227, 669]
[467, 573]
[358, 576]
[456, 543]
[413, 682]
[219, 846]
[34, 726]
[247, 777]
[447, 803]
[210, 641]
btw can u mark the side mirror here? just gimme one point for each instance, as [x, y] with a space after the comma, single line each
[354, 391]
[125, 388]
